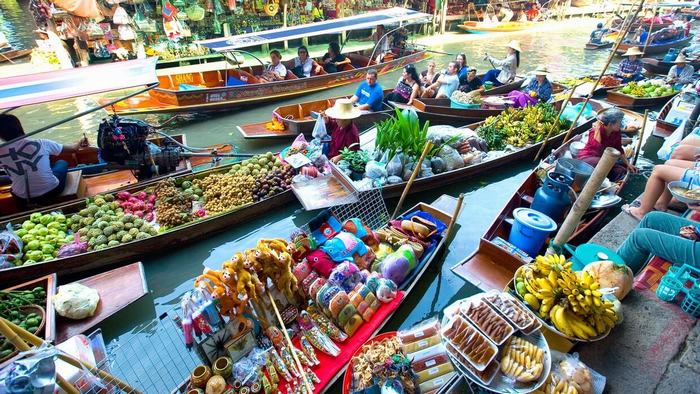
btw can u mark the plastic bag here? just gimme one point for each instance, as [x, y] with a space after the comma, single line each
[451, 158]
[73, 248]
[571, 111]
[425, 169]
[76, 301]
[395, 167]
[672, 141]
[573, 370]
[375, 170]
[319, 128]
[10, 247]
[392, 180]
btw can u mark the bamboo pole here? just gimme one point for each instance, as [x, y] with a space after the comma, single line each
[583, 202]
[555, 125]
[7, 58]
[428, 146]
[640, 137]
[291, 345]
[455, 215]
[13, 335]
[623, 33]
[284, 24]
[36, 341]
[651, 28]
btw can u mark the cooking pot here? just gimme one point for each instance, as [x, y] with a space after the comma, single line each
[577, 170]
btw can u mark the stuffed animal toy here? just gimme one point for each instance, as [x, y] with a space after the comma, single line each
[399, 264]
[320, 262]
[347, 247]
[301, 245]
[385, 289]
[302, 270]
[361, 231]
[324, 227]
[346, 275]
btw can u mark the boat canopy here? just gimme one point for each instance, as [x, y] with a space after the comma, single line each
[17, 91]
[333, 26]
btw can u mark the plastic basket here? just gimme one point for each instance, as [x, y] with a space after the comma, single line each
[456, 104]
[691, 302]
[668, 288]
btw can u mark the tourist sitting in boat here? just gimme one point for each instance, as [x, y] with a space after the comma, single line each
[275, 71]
[506, 69]
[642, 35]
[471, 82]
[333, 58]
[27, 163]
[538, 89]
[687, 25]
[368, 96]
[462, 67]
[680, 73]
[341, 128]
[666, 34]
[607, 132]
[532, 10]
[304, 65]
[630, 68]
[445, 85]
[429, 76]
[670, 237]
[598, 34]
[408, 87]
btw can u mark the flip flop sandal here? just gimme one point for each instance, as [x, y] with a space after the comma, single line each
[626, 209]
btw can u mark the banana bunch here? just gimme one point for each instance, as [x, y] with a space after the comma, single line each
[274, 125]
[556, 384]
[571, 301]
[522, 360]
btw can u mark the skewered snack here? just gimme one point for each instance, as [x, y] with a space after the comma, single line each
[470, 342]
[522, 360]
[488, 321]
[485, 376]
[518, 315]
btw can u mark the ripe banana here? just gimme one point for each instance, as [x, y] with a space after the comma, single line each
[522, 360]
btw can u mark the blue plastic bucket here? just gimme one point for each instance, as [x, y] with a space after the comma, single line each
[530, 229]
[457, 104]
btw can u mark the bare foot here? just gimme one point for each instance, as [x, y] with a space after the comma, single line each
[635, 212]
[661, 207]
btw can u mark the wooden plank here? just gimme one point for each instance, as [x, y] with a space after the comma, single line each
[48, 282]
[117, 288]
[258, 130]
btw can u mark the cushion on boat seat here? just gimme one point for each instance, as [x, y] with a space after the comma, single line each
[75, 186]
[233, 81]
[166, 82]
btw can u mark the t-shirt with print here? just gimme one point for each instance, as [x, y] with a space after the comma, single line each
[279, 69]
[371, 95]
[30, 158]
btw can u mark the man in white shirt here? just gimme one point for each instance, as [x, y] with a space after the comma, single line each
[276, 71]
[445, 85]
[26, 162]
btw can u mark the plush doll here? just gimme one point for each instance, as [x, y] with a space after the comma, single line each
[301, 245]
[346, 275]
[302, 270]
[285, 280]
[385, 289]
[347, 247]
[324, 227]
[361, 231]
[397, 265]
[320, 262]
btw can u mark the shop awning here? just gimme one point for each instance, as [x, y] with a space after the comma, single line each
[333, 26]
[38, 88]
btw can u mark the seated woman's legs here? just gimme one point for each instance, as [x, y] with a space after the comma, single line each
[491, 76]
[655, 193]
[658, 234]
[686, 151]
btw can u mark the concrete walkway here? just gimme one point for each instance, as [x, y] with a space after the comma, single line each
[656, 349]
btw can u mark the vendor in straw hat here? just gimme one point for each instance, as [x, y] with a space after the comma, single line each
[506, 69]
[538, 89]
[607, 132]
[680, 73]
[630, 68]
[341, 128]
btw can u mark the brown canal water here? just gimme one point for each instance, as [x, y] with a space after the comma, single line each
[170, 274]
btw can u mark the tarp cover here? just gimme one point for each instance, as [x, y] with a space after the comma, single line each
[333, 26]
[37, 88]
[83, 8]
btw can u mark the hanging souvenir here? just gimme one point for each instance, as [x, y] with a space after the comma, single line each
[120, 16]
[169, 11]
[210, 5]
[186, 32]
[126, 33]
[272, 7]
[195, 12]
[172, 29]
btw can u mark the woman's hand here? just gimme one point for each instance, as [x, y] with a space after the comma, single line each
[632, 168]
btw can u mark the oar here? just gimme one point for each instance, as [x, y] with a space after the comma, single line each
[640, 137]
[651, 28]
[555, 125]
[623, 32]
[7, 58]
[428, 146]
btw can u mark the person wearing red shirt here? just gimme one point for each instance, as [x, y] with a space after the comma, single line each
[340, 127]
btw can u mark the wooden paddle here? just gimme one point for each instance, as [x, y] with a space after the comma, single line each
[7, 59]
[555, 125]
[428, 146]
[623, 32]
[651, 28]
[640, 137]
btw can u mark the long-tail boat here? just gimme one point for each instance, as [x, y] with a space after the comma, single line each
[209, 87]
[602, 45]
[616, 97]
[491, 266]
[498, 27]
[6, 56]
[658, 66]
[656, 49]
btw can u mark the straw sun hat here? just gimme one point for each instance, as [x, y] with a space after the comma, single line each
[541, 70]
[680, 59]
[515, 45]
[343, 109]
[633, 51]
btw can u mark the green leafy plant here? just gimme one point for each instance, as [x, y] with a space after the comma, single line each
[401, 133]
[356, 159]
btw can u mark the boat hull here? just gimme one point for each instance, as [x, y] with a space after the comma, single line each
[14, 54]
[592, 46]
[626, 101]
[656, 66]
[161, 100]
[481, 27]
[656, 49]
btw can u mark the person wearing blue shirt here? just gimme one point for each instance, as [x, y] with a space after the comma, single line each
[598, 34]
[462, 66]
[369, 95]
[539, 87]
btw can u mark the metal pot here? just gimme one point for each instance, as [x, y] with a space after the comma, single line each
[577, 170]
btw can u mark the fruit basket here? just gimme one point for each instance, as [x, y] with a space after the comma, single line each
[520, 364]
[588, 318]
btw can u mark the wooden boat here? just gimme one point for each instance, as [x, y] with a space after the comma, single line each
[604, 45]
[208, 88]
[665, 127]
[656, 49]
[491, 266]
[616, 24]
[623, 100]
[13, 54]
[117, 288]
[658, 66]
[499, 27]
[299, 119]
